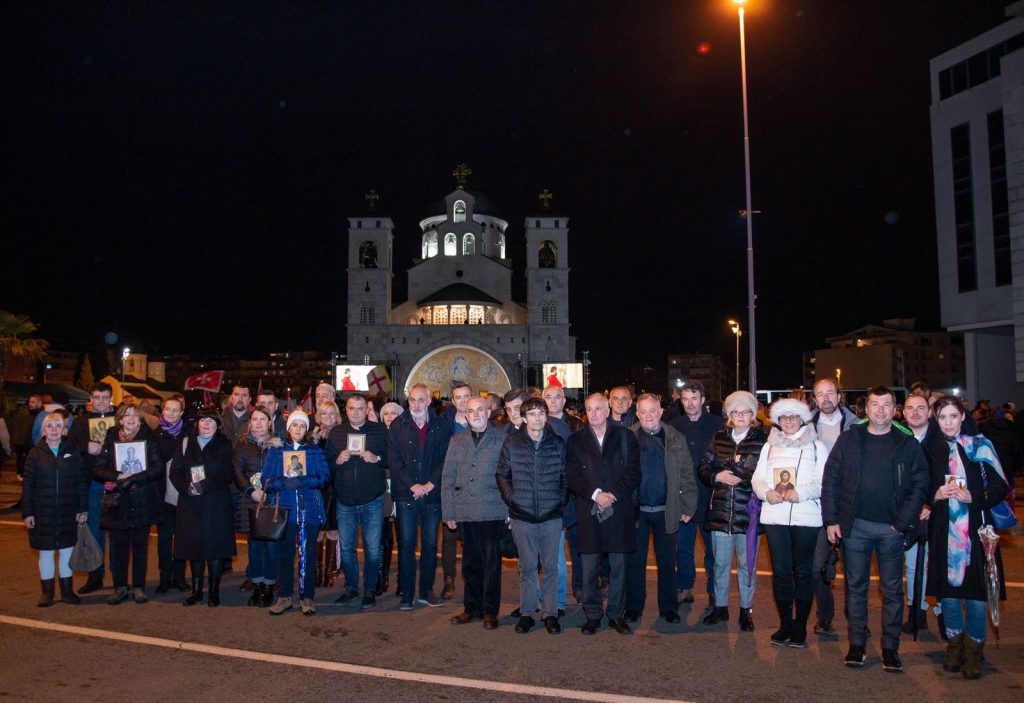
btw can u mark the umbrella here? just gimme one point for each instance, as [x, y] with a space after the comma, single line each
[919, 577]
[989, 542]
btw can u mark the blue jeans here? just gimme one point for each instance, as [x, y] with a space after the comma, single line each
[413, 516]
[865, 538]
[95, 508]
[369, 516]
[724, 545]
[977, 617]
[262, 566]
[686, 568]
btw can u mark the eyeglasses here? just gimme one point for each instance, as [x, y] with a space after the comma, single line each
[790, 418]
[740, 413]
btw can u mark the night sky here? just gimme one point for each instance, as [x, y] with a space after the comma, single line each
[181, 173]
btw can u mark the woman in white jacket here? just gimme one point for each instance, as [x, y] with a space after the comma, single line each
[788, 481]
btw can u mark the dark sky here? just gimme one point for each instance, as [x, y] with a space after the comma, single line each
[180, 173]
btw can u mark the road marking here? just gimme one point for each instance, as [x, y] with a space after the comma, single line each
[700, 569]
[339, 667]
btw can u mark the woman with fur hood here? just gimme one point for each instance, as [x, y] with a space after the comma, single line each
[788, 482]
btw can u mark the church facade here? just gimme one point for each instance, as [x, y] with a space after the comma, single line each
[460, 323]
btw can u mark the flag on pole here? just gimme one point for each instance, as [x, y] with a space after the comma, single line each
[205, 380]
[259, 389]
[378, 381]
[207, 398]
[307, 401]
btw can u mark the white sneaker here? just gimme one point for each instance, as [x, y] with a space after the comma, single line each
[306, 606]
[282, 605]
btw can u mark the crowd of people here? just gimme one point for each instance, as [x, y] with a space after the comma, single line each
[521, 476]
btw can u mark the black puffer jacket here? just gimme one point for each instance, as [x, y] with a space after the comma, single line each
[54, 490]
[727, 508]
[532, 479]
[141, 492]
[247, 461]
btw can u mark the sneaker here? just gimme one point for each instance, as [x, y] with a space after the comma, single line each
[139, 594]
[430, 599]
[348, 597]
[369, 601]
[120, 595]
[282, 605]
[855, 657]
[824, 627]
[405, 605]
[306, 605]
[891, 661]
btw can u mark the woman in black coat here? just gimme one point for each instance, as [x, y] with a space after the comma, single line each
[54, 500]
[130, 469]
[205, 531]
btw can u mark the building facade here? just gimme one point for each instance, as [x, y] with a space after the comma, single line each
[706, 368]
[459, 322]
[977, 127]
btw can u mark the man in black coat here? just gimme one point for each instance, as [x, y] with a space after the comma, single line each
[603, 469]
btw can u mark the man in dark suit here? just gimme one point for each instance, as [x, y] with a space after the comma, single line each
[603, 469]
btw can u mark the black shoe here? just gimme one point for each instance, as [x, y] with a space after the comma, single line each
[92, 584]
[798, 637]
[515, 614]
[181, 584]
[551, 625]
[368, 602]
[348, 597]
[525, 624]
[257, 595]
[746, 620]
[213, 598]
[46, 597]
[590, 626]
[228, 568]
[940, 623]
[195, 595]
[631, 615]
[561, 612]
[620, 626]
[716, 616]
[824, 627]
[163, 588]
[854, 657]
[671, 617]
[891, 661]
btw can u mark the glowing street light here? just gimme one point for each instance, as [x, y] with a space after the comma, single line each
[735, 327]
[124, 357]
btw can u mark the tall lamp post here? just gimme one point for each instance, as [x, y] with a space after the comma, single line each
[735, 327]
[751, 298]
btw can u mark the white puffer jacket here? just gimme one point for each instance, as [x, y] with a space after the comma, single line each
[802, 454]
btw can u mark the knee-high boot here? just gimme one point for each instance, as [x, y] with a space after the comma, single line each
[216, 569]
[798, 637]
[386, 544]
[330, 562]
[782, 635]
[196, 594]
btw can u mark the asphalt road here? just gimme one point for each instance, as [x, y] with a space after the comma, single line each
[163, 651]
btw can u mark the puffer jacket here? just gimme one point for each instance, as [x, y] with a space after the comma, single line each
[54, 490]
[301, 492]
[532, 479]
[247, 461]
[804, 457]
[727, 507]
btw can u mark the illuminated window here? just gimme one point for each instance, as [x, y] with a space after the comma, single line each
[429, 245]
[459, 211]
[458, 315]
[501, 246]
[476, 314]
[440, 315]
[450, 245]
[468, 244]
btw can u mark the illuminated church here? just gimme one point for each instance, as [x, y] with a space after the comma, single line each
[460, 322]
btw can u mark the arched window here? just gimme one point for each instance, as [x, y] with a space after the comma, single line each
[468, 244]
[459, 211]
[501, 246]
[429, 245]
[547, 255]
[450, 245]
[368, 255]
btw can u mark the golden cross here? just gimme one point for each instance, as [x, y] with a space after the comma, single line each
[371, 199]
[545, 197]
[461, 173]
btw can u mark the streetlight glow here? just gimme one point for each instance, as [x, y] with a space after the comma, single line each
[735, 327]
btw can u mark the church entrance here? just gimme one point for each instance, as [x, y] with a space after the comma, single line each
[444, 367]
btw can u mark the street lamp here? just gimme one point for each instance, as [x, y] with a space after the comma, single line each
[124, 357]
[751, 298]
[735, 327]
[839, 379]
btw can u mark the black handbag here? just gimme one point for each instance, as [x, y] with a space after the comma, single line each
[266, 523]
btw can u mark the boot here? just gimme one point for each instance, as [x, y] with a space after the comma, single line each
[320, 563]
[268, 596]
[954, 660]
[196, 594]
[257, 594]
[214, 600]
[746, 620]
[385, 561]
[46, 598]
[92, 584]
[716, 616]
[449, 588]
[974, 655]
[782, 635]
[67, 593]
[798, 635]
[331, 562]
[165, 585]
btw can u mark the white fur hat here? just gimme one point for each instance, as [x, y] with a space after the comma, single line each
[739, 400]
[298, 416]
[790, 406]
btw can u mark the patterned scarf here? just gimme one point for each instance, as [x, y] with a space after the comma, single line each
[958, 539]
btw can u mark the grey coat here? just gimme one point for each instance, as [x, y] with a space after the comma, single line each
[469, 491]
[680, 482]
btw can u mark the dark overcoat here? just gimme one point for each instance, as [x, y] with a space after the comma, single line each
[53, 490]
[612, 467]
[206, 527]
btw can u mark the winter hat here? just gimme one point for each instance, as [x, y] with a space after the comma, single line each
[740, 400]
[298, 416]
[790, 406]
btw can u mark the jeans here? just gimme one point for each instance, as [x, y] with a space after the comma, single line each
[171, 570]
[910, 558]
[792, 551]
[262, 566]
[686, 569]
[95, 508]
[822, 589]
[977, 617]
[135, 541]
[413, 516]
[286, 561]
[864, 539]
[616, 586]
[481, 566]
[724, 545]
[537, 544]
[369, 516]
[664, 556]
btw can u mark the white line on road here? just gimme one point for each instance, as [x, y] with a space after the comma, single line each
[340, 667]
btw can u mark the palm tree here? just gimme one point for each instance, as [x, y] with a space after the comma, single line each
[15, 341]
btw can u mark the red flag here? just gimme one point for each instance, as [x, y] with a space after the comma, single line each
[205, 380]
[307, 401]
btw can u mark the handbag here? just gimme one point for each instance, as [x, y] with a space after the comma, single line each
[86, 555]
[1001, 513]
[267, 524]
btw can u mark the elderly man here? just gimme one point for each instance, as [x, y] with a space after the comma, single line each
[603, 469]
[620, 404]
[471, 501]
[667, 497]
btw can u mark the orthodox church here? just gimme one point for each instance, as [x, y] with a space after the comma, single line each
[460, 323]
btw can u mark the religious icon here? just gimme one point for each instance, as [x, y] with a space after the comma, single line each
[954, 480]
[98, 427]
[130, 457]
[295, 464]
[356, 442]
[784, 477]
[198, 473]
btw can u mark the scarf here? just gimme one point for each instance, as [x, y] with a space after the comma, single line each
[958, 537]
[123, 436]
[173, 430]
[798, 440]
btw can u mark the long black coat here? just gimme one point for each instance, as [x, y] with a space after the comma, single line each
[54, 490]
[727, 506]
[206, 526]
[141, 492]
[613, 466]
